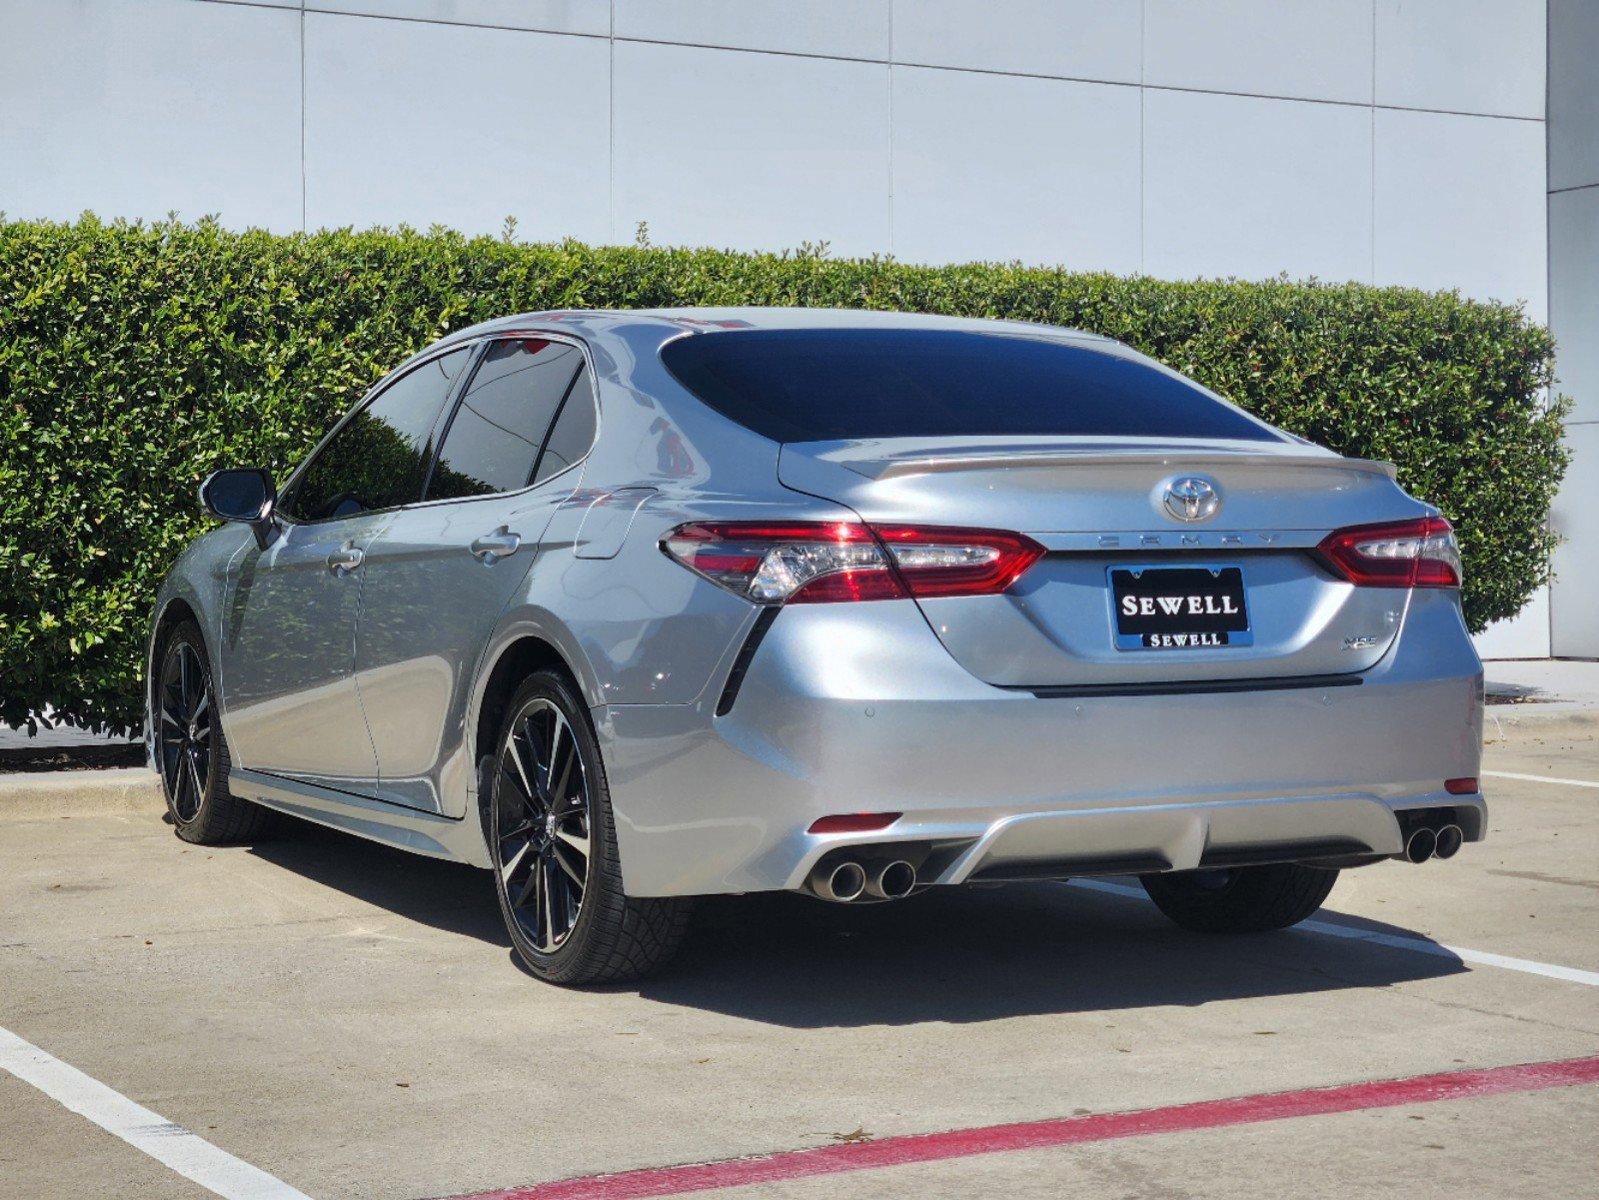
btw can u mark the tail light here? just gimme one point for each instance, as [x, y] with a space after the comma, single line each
[1418, 553]
[802, 562]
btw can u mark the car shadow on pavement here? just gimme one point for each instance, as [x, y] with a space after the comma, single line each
[962, 955]
[444, 895]
[979, 954]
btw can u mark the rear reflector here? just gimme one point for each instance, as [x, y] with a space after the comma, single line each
[1419, 553]
[1465, 786]
[806, 562]
[853, 823]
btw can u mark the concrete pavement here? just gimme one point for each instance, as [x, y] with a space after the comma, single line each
[351, 1020]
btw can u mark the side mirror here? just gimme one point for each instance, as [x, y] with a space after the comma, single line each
[246, 495]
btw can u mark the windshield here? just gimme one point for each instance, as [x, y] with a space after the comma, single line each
[802, 385]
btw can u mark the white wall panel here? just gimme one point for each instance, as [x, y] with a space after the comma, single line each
[1573, 93]
[1315, 49]
[1460, 204]
[551, 16]
[1574, 314]
[135, 110]
[1047, 170]
[1574, 302]
[1249, 187]
[1077, 39]
[728, 148]
[1525, 635]
[843, 28]
[1469, 56]
[440, 123]
[1576, 563]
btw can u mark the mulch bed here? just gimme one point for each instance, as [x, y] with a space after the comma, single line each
[14, 759]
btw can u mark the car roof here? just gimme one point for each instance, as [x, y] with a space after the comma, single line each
[672, 322]
[610, 327]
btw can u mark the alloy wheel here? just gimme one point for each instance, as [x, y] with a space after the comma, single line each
[183, 730]
[542, 839]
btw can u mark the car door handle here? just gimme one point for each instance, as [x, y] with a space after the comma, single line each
[346, 558]
[492, 547]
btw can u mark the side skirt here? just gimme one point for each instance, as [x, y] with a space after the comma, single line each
[403, 828]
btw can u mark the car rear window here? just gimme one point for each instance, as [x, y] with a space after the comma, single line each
[804, 385]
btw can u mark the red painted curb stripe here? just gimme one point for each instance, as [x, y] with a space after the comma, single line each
[1062, 1131]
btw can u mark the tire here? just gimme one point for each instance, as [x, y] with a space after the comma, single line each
[551, 825]
[1241, 899]
[191, 753]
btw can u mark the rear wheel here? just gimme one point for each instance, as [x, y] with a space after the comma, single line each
[191, 752]
[553, 842]
[1241, 899]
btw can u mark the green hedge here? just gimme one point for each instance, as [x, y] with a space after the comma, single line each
[136, 358]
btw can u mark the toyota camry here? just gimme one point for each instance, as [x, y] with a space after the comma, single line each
[633, 607]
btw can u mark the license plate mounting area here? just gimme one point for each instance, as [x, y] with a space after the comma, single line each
[1195, 606]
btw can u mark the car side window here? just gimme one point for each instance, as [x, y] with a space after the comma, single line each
[573, 433]
[378, 458]
[493, 440]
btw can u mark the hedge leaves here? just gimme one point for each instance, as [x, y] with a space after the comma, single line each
[134, 359]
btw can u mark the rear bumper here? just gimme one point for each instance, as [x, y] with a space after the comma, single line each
[860, 709]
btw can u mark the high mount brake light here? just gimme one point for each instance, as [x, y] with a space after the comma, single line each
[803, 562]
[1418, 553]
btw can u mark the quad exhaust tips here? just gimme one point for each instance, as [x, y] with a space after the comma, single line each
[1421, 845]
[1448, 842]
[845, 880]
[892, 881]
[1432, 841]
[840, 882]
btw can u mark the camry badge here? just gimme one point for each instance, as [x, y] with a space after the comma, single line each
[1191, 498]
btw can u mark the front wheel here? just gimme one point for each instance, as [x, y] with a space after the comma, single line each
[553, 842]
[1241, 899]
[191, 752]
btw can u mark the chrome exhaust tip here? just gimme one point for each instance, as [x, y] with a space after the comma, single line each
[892, 881]
[1420, 845]
[841, 882]
[1450, 839]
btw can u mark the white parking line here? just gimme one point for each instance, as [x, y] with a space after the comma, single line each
[189, 1154]
[1481, 958]
[1541, 779]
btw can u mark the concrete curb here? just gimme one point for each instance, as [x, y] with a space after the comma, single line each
[46, 794]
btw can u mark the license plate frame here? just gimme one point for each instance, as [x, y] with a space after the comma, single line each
[1220, 620]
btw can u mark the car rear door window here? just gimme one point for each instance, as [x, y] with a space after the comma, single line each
[493, 440]
[802, 385]
[378, 457]
[573, 432]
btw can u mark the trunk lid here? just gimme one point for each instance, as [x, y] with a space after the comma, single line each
[1098, 506]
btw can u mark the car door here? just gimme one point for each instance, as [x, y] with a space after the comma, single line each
[439, 575]
[288, 639]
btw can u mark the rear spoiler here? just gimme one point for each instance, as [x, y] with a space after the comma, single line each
[862, 459]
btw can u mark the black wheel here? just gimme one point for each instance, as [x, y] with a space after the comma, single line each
[1241, 899]
[553, 840]
[190, 751]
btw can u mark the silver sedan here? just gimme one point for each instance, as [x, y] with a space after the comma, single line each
[633, 607]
